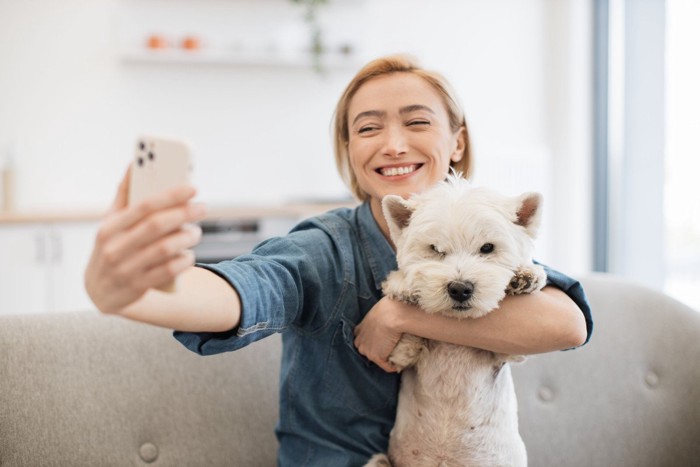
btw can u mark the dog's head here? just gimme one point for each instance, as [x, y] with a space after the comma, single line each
[457, 246]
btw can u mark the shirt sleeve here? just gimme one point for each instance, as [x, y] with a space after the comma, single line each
[280, 284]
[574, 290]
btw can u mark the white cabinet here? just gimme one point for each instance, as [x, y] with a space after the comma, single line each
[42, 264]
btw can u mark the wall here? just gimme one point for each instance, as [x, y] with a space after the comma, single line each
[72, 105]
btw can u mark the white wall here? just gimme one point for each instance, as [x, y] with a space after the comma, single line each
[261, 133]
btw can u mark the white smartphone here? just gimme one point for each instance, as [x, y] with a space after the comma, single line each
[159, 164]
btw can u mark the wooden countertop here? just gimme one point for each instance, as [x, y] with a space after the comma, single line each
[297, 210]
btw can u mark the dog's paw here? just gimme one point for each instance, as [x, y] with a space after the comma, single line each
[527, 279]
[379, 460]
[396, 287]
[406, 352]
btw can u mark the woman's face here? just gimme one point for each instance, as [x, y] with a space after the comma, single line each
[400, 137]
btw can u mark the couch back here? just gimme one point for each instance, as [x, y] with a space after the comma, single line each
[84, 389]
[628, 398]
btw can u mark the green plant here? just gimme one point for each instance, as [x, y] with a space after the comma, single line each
[316, 33]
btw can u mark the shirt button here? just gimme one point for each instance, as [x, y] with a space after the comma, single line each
[148, 452]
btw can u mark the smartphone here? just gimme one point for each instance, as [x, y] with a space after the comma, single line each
[159, 164]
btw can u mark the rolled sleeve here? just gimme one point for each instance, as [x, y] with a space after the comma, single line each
[574, 290]
[281, 280]
[254, 324]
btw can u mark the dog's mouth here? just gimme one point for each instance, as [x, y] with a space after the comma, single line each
[398, 170]
[461, 307]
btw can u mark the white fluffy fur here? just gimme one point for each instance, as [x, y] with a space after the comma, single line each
[457, 405]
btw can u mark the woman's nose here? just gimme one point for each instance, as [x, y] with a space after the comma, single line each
[395, 143]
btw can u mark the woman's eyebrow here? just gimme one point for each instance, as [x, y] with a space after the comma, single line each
[403, 111]
[369, 113]
[414, 108]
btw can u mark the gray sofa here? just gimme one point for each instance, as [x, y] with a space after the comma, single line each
[82, 389]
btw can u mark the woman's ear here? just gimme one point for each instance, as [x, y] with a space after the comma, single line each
[461, 138]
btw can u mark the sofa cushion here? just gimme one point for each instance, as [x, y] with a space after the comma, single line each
[86, 389]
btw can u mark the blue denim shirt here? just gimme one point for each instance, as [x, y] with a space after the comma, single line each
[314, 286]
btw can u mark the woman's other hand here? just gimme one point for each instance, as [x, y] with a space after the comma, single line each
[142, 246]
[380, 331]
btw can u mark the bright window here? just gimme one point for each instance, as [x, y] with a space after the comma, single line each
[682, 165]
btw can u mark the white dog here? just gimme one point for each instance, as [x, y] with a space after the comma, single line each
[459, 250]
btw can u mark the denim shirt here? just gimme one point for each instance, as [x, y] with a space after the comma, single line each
[314, 286]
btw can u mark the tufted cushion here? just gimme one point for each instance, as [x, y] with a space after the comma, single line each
[630, 397]
[81, 389]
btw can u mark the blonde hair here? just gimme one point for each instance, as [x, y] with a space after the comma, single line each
[381, 67]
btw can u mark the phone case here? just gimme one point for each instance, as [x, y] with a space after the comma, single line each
[159, 164]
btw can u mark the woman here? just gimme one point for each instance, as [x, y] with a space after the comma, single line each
[398, 130]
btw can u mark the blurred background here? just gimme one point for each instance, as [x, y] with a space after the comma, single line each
[594, 103]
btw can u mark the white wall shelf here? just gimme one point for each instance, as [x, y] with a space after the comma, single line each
[238, 58]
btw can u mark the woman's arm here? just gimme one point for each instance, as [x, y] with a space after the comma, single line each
[539, 322]
[142, 247]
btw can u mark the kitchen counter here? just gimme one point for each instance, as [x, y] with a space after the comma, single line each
[292, 210]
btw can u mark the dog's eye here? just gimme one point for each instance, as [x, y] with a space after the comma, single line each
[487, 248]
[437, 251]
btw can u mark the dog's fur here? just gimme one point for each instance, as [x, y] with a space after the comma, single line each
[457, 404]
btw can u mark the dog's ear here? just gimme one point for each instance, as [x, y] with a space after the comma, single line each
[529, 212]
[397, 213]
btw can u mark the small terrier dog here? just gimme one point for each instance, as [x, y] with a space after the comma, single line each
[460, 250]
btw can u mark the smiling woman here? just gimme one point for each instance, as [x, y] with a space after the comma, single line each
[320, 285]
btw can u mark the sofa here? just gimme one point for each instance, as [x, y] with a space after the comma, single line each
[83, 389]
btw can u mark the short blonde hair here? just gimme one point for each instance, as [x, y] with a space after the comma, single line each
[385, 66]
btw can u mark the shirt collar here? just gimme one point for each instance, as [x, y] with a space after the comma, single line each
[380, 255]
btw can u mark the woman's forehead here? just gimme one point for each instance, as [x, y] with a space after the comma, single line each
[393, 92]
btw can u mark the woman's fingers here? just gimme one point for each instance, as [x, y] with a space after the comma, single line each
[122, 198]
[167, 272]
[126, 217]
[152, 230]
[162, 251]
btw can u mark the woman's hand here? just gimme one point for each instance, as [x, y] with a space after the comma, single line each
[380, 331]
[142, 246]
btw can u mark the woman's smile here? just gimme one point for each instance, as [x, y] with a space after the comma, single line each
[393, 171]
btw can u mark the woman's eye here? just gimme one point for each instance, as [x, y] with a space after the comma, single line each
[487, 248]
[418, 122]
[368, 127]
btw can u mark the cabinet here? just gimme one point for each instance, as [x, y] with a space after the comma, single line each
[42, 265]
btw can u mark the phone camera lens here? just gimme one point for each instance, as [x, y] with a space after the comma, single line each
[151, 156]
[142, 145]
[140, 161]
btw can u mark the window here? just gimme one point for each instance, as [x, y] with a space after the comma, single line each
[682, 162]
[648, 144]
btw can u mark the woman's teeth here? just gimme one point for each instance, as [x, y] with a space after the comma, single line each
[394, 171]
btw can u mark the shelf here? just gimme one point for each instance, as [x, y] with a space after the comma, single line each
[238, 58]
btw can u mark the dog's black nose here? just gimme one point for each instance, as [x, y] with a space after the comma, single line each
[460, 291]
